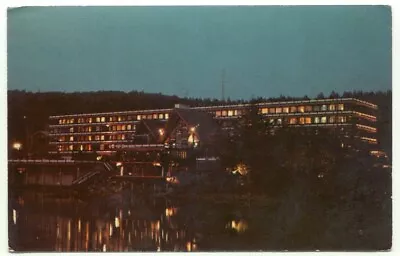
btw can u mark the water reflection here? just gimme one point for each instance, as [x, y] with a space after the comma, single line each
[52, 224]
[121, 222]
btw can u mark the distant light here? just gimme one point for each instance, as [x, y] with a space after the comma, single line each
[118, 164]
[17, 145]
[98, 158]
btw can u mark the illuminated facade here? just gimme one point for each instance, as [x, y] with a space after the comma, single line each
[148, 130]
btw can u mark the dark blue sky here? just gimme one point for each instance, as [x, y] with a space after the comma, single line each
[265, 51]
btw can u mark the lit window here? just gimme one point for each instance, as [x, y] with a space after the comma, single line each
[89, 147]
[97, 119]
[81, 147]
[341, 119]
[301, 120]
[155, 116]
[300, 109]
[235, 112]
[331, 119]
[323, 108]
[316, 120]
[230, 112]
[323, 119]
[71, 138]
[271, 121]
[101, 146]
[224, 113]
[286, 110]
[71, 129]
[160, 116]
[60, 121]
[293, 109]
[123, 137]
[97, 137]
[308, 120]
[271, 110]
[341, 107]
[279, 121]
[119, 127]
[71, 147]
[123, 127]
[102, 137]
[292, 120]
[332, 107]
[308, 109]
[278, 110]
[150, 117]
[89, 137]
[111, 119]
[90, 120]
[316, 108]
[89, 129]
[138, 117]
[129, 127]
[166, 115]
[264, 111]
[103, 119]
[119, 119]
[144, 117]
[72, 121]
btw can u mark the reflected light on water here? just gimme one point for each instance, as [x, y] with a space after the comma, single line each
[171, 211]
[14, 216]
[239, 226]
[189, 246]
[116, 222]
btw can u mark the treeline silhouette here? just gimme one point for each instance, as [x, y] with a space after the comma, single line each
[28, 112]
[327, 197]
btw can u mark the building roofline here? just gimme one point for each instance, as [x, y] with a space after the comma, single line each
[365, 103]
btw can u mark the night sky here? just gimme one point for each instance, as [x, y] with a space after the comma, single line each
[265, 51]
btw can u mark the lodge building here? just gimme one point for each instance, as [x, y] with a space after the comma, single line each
[185, 127]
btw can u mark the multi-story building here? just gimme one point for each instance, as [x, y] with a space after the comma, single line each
[149, 130]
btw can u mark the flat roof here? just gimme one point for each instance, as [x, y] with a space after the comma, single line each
[245, 105]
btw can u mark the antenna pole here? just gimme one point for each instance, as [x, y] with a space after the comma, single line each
[223, 84]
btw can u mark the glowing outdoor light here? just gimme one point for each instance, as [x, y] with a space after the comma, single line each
[118, 164]
[161, 132]
[193, 129]
[17, 145]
